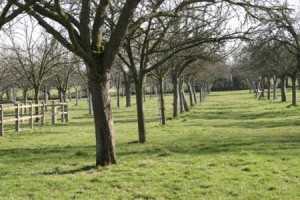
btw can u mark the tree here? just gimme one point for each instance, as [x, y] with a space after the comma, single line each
[84, 32]
[36, 58]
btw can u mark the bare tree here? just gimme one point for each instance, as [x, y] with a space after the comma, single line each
[34, 59]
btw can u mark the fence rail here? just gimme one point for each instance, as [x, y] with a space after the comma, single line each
[28, 112]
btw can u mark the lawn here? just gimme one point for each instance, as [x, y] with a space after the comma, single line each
[231, 147]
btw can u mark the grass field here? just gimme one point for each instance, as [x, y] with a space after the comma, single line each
[232, 147]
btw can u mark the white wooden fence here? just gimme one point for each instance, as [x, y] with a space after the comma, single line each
[27, 112]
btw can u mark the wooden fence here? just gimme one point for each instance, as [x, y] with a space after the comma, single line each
[19, 112]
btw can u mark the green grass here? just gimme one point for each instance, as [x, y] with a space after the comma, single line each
[231, 147]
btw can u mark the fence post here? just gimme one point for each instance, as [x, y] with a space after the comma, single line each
[31, 116]
[53, 113]
[66, 113]
[1, 121]
[17, 118]
[43, 114]
[62, 109]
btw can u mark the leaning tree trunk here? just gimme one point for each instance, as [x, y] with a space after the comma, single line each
[190, 93]
[140, 110]
[162, 102]
[283, 88]
[175, 94]
[185, 104]
[104, 127]
[294, 90]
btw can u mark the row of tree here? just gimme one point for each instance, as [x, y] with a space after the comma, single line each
[183, 38]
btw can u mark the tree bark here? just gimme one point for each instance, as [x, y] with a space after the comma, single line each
[185, 104]
[36, 101]
[162, 102]
[104, 128]
[118, 95]
[269, 87]
[90, 100]
[175, 94]
[140, 110]
[190, 93]
[283, 88]
[127, 83]
[194, 93]
[181, 93]
[274, 88]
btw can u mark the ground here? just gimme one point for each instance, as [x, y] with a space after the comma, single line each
[231, 147]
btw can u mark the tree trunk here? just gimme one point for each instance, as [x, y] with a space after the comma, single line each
[181, 93]
[104, 127]
[294, 90]
[118, 95]
[63, 96]
[283, 88]
[90, 101]
[36, 101]
[274, 88]
[25, 92]
[140, 110]
[269, 87]
[77, 98]
[127, 82]
[194, 93]
[175, 93]
[262, 94]
[8, 94]
[185, 104]
[190, 93]
[162, 102]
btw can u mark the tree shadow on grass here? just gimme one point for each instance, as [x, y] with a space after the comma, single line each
[57, 171]
[265, 145]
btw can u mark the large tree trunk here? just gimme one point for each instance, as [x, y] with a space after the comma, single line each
[162, 102]
[283, 88]
[140, 110]
[175, 93]
[104, 127]
[127, 83]
[294, 90]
